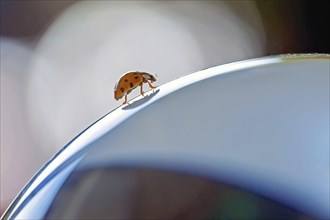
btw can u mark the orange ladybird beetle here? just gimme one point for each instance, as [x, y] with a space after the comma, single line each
[130, 81]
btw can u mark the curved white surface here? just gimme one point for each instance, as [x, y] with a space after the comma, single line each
[261, 124]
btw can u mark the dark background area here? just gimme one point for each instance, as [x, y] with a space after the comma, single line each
[295, 26]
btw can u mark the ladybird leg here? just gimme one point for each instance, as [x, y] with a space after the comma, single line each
[141, 89]
[125, 100]
[151, 86]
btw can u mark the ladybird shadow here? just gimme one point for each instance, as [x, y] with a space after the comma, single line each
[140, 101]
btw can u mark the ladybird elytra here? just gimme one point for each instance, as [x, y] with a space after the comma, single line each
[129, 81]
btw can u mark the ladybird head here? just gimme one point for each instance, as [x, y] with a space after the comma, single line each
[149, 76]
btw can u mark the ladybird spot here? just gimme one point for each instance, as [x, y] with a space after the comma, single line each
[126, 80]
[122, 89]
[136, 77]
[131, 85]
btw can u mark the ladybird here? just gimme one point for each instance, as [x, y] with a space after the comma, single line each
[130, 81]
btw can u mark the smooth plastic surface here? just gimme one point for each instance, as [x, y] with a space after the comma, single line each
[261, 125]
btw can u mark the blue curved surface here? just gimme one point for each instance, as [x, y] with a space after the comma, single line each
[262, 125]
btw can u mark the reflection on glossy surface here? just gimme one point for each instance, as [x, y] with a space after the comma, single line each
[154, 194]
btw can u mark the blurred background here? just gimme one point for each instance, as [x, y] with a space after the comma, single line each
[60, 60]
